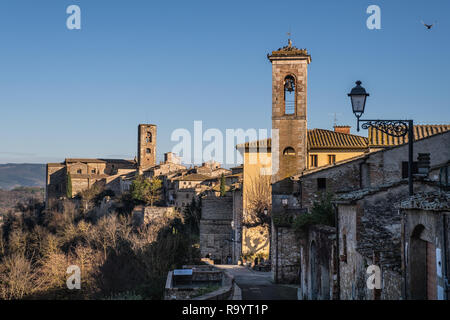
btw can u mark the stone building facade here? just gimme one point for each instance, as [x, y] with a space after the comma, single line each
[237, 224]
[318, 267]
[216, 232]
[85, 173]
[369, 170]
[370, 233]
[285, 255]
[113, 174]
[380, 170]
[425, 246]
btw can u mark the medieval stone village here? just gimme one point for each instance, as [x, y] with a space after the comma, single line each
[336, 221]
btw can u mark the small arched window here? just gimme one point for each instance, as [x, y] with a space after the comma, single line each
[148, 150]
[289, 95]
[289, 151]
[149, 136]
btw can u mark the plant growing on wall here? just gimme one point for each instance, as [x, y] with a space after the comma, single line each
[321, 213]
[69, 186]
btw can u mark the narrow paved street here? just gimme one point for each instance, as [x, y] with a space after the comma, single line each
[257, 285]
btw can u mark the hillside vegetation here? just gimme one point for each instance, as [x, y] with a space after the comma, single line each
[117, 259]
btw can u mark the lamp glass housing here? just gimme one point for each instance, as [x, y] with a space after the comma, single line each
[358, 103]
[358, 97]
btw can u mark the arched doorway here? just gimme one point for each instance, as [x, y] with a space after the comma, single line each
[422, 266]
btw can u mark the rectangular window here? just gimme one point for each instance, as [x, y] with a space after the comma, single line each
[79, 171]
[321, 183]
[331, 159]
[313, 160]
[405, 169]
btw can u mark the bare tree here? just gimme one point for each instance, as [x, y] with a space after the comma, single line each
[16, 277]
[257, 202]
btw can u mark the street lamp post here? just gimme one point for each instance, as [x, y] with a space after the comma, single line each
[393, 128]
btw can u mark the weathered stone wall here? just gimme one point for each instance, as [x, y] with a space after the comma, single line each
[146, 146]
[216, 233]
[292, 128]
[285, 255]
[343, 178]
[352, 265]
[391, 285]
[237, 224]
[370, 232]
[318, 268]
[143, 215]
[438, 146]
[431, 224]
[56, 182]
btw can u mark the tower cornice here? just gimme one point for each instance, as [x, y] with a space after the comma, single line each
[289, 52]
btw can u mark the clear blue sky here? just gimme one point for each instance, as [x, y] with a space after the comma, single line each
[81, 93]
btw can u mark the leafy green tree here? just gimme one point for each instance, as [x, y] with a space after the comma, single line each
[223, 186]
[69, 186]
[146, 190]
[154, 191]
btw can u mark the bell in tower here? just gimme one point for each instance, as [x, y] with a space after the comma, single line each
[289, 84]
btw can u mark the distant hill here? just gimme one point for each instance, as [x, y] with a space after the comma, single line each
[14, 175]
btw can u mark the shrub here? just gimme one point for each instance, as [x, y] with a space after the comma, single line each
[321, 213]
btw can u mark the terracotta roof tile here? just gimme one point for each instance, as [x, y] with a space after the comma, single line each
[381, 139]
[321, 138]
[317, 139]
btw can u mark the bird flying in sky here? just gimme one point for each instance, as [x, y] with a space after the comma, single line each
[428, 26]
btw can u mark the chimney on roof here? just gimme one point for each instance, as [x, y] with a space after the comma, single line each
[423, 163]
[342, 129]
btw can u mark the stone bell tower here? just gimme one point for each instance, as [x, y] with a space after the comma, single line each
[146, 146]
[289, 82]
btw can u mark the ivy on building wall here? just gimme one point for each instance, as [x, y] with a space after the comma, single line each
[321, 213]
[69, 186]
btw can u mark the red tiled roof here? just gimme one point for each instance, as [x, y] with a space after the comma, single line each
[381, 139]
[317, 139]
[327, 139]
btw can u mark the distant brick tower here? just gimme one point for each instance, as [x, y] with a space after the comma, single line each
[146, 146]
[289, 81]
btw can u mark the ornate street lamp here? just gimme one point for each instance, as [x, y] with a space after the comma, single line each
[393, 128]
